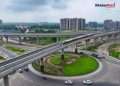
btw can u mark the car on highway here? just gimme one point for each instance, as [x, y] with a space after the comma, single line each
[44, 78]
[87, 82]
[26, 69]
[68, 82]
[100, 57]
[20, 70]
[94, 54]
[81, 52]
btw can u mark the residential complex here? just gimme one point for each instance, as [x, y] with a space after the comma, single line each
[72, 24]
[92, 24]
[111, 25]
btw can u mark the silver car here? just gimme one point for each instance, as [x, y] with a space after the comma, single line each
[87, 82]
[68, 82]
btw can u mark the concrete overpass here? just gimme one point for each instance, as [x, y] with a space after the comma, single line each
[21, 36]
[66, 34]
[14, 64]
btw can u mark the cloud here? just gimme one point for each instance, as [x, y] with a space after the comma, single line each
[30, 5]
[53, 10]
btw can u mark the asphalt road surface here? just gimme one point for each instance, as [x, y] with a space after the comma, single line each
[110, 77]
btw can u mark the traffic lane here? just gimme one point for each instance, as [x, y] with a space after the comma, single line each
[28, 79]
[112, 75]
[23, 81]
[105, 84]
[34, 78]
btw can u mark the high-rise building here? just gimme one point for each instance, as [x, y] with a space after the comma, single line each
[72, 24]
[108, 25]
[117, 25]
[111, 25]
[64, 24]
[92, 24]
[81, 24]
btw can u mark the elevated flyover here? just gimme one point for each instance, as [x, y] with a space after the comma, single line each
[9, 66]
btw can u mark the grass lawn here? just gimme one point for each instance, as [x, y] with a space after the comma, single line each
[91, 48]
[15, 49]
[83, 65]
[46, 40]
[55, 58]
[2, 58]
[36, 66]
[113, 52]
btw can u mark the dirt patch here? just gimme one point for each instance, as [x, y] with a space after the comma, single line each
[117, 49]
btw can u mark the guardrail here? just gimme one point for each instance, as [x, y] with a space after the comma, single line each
[10, 66]
[26, 54]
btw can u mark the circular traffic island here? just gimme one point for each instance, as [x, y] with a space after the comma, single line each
[71, 65]
[114, 50]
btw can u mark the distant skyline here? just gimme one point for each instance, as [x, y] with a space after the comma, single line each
[53, 10]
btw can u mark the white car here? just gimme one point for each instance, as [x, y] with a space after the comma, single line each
[68, 82]
[87, 82]
[20, 70]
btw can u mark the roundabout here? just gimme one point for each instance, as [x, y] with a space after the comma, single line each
[74, 66]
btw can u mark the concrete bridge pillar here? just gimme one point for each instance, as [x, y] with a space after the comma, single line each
[24, 38]
[6, 37]
[42, 64]
[6, 80]
[87, 43]
[20, 40]
[37, 40]
[62, 52]
[76, 48]
[1, 38]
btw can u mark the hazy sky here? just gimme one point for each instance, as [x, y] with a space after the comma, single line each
[53, 10]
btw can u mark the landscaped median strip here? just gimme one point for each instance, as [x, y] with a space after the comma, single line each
[17, 50]
[2, 58]
[114, 50]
